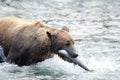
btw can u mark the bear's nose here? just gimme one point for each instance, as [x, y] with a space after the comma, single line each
[74, 56]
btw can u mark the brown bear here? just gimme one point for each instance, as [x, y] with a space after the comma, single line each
[27, 42]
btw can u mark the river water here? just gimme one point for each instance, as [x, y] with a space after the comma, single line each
[95, 27]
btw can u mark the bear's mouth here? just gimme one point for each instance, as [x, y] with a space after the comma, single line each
[78, 60]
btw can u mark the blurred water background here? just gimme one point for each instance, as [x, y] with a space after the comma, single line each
[95, 27]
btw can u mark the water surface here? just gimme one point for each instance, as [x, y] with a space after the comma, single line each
[95, 27]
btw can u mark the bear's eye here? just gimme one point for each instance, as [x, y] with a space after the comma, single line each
[67, 43]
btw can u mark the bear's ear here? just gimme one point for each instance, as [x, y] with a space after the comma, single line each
[65, 28]
[49, 34]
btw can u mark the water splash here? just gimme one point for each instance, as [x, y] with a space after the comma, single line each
[103, 64]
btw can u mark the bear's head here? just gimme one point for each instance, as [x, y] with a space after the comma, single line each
[62, 44]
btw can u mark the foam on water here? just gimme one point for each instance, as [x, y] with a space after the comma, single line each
[57, 67]
[103, 64]
[57, 64]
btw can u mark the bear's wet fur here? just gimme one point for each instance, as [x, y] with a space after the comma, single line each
[27, 42]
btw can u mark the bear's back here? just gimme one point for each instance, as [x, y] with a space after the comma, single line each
[10, 26]
[14, 21]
